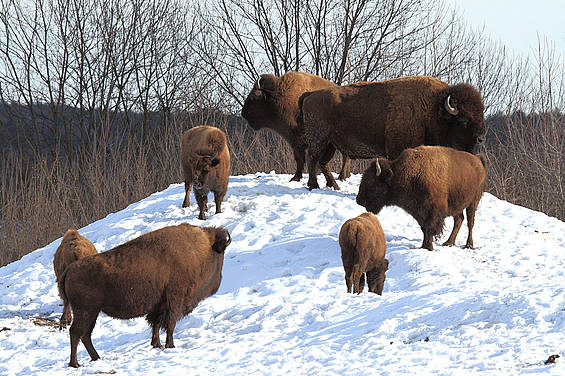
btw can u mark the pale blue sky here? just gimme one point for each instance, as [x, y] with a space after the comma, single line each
[517, 23]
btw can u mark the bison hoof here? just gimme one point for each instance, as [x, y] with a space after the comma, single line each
[448, 244]
[74, 364]
[343, 177]
[296, 178]
[313, 186]
[202, 217]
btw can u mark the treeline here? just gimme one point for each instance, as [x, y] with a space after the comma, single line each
[95, 95]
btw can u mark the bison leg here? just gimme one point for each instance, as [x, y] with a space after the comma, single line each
[87, 340]
[471, 210]
[312, 164]
[155, 341]
[169, 344]
[376, 278]
[428, 239]
[154, 319]
[300, 159]
[358, 278]
[324, 166]
[82, 327]
[202, 200]
[218, 198]
[66, 317]
[187, 187]
[348, 280]
[457, 221]
[345, 168]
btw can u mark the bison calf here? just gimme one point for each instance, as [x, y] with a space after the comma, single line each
[363, 249]
[430, 183]
[72, 247]
[205, 159]
[162, 275]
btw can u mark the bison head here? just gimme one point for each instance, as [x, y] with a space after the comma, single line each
[375, 186]
[462, 111]
[203, 164]
[260, 107]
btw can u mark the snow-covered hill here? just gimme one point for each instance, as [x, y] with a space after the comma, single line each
[282, 307]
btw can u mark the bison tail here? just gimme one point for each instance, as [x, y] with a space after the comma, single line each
[483, 160]
[61, 285]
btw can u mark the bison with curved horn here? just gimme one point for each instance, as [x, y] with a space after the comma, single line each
[430, 183]
[370, 119]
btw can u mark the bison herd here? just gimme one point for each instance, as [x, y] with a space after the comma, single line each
[420, 132]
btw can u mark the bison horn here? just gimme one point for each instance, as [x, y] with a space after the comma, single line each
[228, 239]
[377, 167]
[449, 108]
[258, 83]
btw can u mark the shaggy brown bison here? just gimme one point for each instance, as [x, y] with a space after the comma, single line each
[363, 249]
[73, 247]
[370, 119]
[205, 160]
[274, 103]
[163, 274]
[430, 183]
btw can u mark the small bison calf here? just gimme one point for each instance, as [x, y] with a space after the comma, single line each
[162, 275]
[205, 160]
[72, 247]
[363, 249]
[430, 183]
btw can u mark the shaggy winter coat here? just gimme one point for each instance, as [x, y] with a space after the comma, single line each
[371, 119]
[161, 275]
[363, 250]
[430, 183]
[73, 247]
[274, 103]
[205, 160]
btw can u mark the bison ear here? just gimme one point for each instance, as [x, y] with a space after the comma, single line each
[222, 239]
[215, 162]
[267, 82]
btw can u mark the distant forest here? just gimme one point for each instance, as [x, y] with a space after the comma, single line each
[94, 96]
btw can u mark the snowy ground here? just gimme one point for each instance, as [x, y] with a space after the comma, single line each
[282, 307]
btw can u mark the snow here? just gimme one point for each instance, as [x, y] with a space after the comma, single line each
[282, 307]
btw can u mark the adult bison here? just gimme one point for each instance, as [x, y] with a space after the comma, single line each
[161, 275]
[370, 119]
[430, 183]
[274, 103]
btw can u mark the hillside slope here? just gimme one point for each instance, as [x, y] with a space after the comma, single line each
[282, 307]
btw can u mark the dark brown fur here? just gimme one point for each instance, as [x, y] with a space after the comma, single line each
[371, 119]
[73, 247]
[162, 275]
[363, 250]
[275, 105]
[205, 159]
[430, 183]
